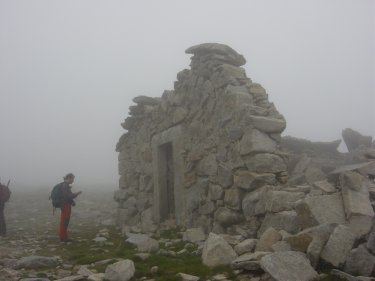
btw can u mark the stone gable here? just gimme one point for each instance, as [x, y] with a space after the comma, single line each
[183, 153]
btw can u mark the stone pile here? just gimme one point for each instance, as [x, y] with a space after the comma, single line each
[224, 138]
[122, 270]
[209, 156]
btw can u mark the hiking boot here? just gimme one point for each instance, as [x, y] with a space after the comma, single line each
[66, 240]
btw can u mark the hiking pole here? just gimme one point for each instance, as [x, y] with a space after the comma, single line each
[8, 183]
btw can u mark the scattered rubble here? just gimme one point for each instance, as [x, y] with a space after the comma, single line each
[209, 155]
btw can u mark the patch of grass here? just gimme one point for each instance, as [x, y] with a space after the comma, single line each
[168, 267]
[171, 233]
[42, 275]
[169, 278]
[329, 277]
[86, 252]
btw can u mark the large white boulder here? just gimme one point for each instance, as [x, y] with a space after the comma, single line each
[316, 210]
[120, 271]
[217, 251]
[143, 242]
[288, 266]
[338, 246]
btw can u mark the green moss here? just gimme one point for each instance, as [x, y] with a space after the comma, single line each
[86, 251]
[329, 277]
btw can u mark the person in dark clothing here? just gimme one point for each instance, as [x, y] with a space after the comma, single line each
[4, 197]
[66, 206]
[3, 227]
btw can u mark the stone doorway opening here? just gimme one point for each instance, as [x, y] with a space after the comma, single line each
[166, 181]
[167, 170]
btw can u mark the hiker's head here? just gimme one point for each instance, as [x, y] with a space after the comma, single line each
[69, 178]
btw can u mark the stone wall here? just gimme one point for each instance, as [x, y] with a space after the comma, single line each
[201, 153]
[209, 156]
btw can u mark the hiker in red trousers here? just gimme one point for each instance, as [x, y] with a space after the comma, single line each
[67, 202]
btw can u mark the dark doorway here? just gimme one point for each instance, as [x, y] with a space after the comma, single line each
[166, 181]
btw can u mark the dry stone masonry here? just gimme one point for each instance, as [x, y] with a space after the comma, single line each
[208, 156]
[194, 154]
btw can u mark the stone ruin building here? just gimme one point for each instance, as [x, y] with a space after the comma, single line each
[209, 156]
[194, 153]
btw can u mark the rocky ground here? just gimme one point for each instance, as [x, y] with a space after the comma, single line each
[99, 251]
[32, 250]
[33, 225]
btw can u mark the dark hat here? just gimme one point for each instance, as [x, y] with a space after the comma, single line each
[68, 176]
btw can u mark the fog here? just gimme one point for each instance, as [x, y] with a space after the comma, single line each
[69, 70]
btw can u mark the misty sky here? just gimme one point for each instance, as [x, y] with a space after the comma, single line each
[69, 70]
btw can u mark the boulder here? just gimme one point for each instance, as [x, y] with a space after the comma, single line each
[325, 186]
[224, 176]
[314, 173]
[207, 166]
[144, 100]
[256, 142]
[34, 262]
[338, 246]
[249, 261]
[281, 246]
[147, 220]
[311, 241]
[300, 146]
[268, 124]
[359, 225]
[84, 271]
[194, 235]
[265, 163]
[227, 217]
[215, 192]
[345, 276]
[315, 210]
[217, 251]
[279, 200]
[301, 164]
[232, 239]
[228, 54]
[9, 274]
[232, 198]
[254, 203]
[354, 139]
[371, 242]
[235, 96]
[286, 220]
[143, 242]
[301, 241]
[355, 195]
[250, 181]
[268, 238]
[96, 277]
[245, 246]
[187, 277]
[361, 261]
[288, 266]
[120, 271]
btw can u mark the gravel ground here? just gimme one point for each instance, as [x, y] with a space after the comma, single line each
[32, 225]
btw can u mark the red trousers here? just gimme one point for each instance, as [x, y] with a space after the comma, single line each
[64, 221]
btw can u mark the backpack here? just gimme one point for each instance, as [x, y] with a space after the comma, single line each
[4, 193]
[56, 196]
